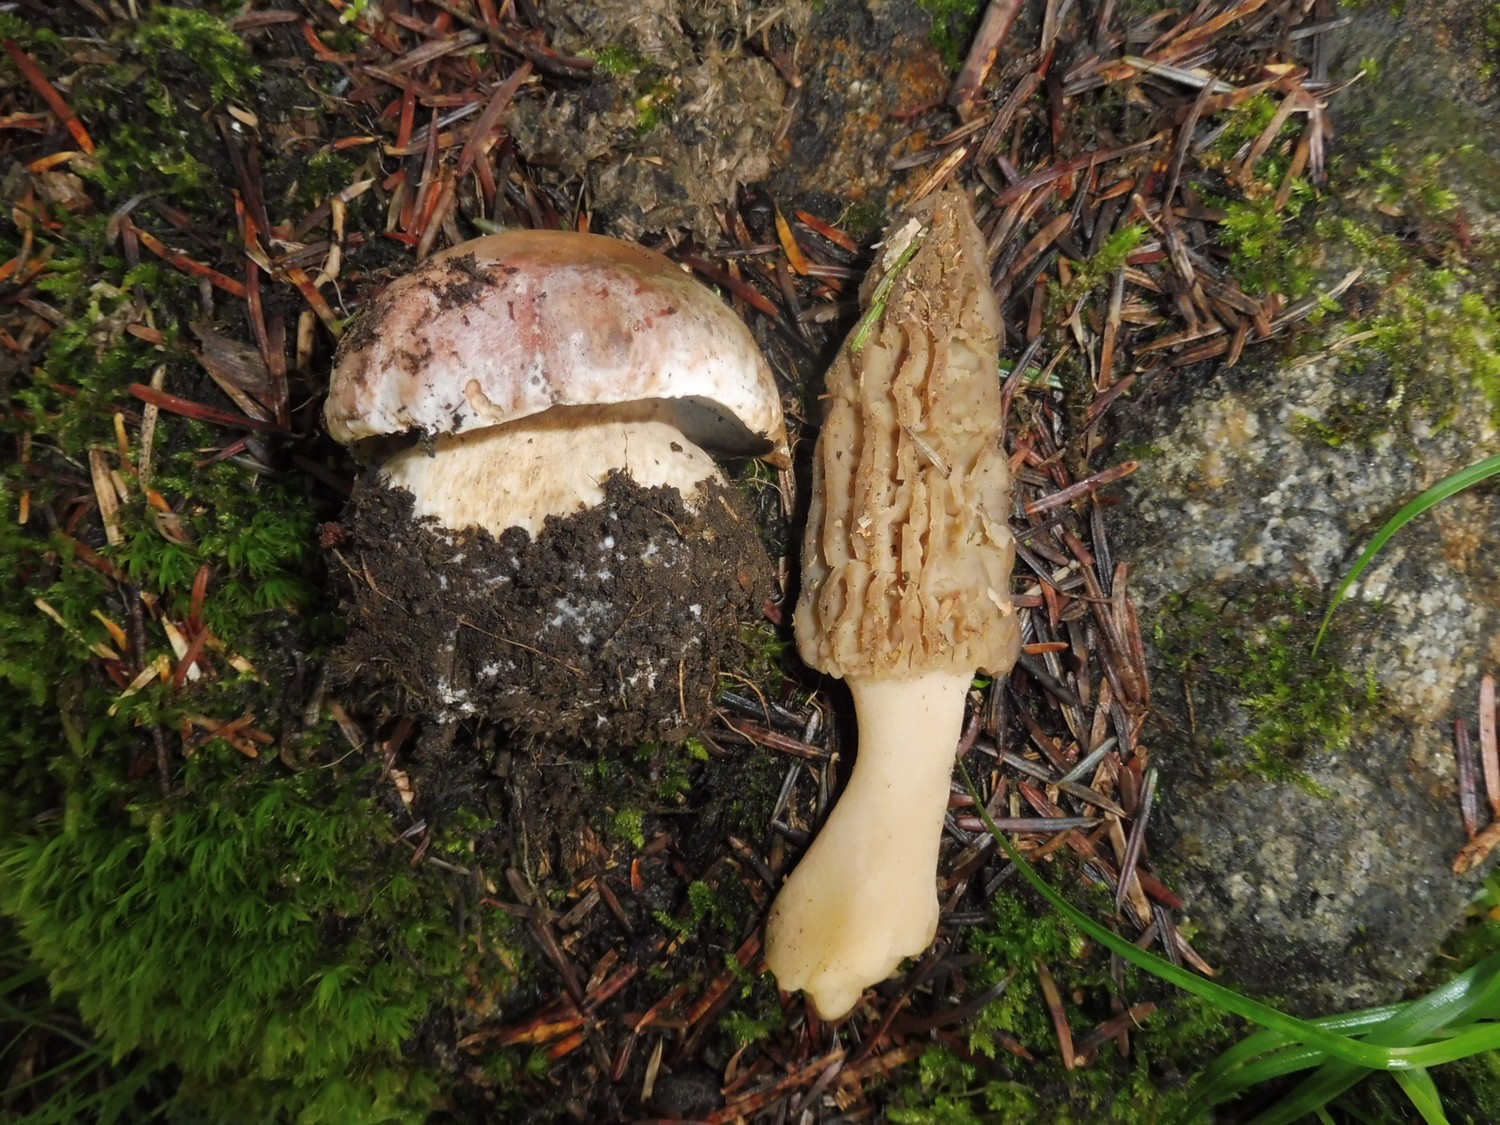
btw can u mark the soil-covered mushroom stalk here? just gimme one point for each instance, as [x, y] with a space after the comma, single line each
[906, 576]
[548, 540]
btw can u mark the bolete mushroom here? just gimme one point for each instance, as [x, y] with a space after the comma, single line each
[550, 543]
[905, 593]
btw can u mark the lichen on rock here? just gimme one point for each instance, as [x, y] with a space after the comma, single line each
[1320, 873]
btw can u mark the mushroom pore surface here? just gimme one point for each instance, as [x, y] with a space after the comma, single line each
[906, 576]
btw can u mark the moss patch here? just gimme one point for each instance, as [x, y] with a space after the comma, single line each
[953, 25]
[1250, 646]
[267, 938]
[972, 1077]
[1426, 323]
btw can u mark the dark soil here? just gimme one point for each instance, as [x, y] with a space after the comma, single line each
[610, 628]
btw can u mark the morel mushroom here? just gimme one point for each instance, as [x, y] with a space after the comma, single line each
[553, 545]
[905, 593]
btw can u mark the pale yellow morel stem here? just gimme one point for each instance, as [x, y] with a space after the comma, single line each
[864, 896]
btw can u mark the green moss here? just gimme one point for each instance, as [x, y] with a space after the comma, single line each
[863, 220]
[950, 1091]
[653, 102]
[1097, 271]
[953, 25]
[616, 60]
[767, 653]
[1349, 421]
[26, 34]
[1245, 124]
[974, 1079]
[48, 700]
[630, 825]
[264, 938]
[1487, 43]
[202, 40]
[1251, 646]
[754, 1015]
[255, 932]
[149, 110]
[1266, 243]
[1139, 451]
[704, 909]
[81, 1080]
[706, 906]
[323, 174]
[1018, 935]
[1430, 328]
[1113, 251]
[1266, 251]
[505, 1068]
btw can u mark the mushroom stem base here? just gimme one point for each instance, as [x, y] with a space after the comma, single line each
[550, 464]
[864, 896]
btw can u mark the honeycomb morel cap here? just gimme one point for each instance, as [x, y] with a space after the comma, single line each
[905, 594]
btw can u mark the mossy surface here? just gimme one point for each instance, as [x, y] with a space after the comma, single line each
[973, 1076]
[241, 933]
[953, 25]
[1425, 323]
[1248, 649]
[265, 936]
[330, 967]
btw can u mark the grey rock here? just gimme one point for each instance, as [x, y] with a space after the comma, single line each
[1327, 884]
[687, 104]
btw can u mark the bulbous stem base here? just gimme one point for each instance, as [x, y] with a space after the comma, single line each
[864, 896]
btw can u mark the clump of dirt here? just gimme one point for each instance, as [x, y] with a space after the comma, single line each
[677, 113]
[869, 72]
[609, 628]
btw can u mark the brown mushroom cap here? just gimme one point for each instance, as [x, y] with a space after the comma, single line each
[906, 565]
[506, 326]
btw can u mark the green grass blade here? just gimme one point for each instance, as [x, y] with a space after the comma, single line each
[1342, 1047]
[1418, 1086]
[1228, 1087]
[21, 978]
[1473, 993]
[882, 294]
[1448, 486]
[1263, 1043]
[1339, 1046]
[1314, 1094]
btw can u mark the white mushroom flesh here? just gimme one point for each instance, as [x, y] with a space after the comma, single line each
[549, 464]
